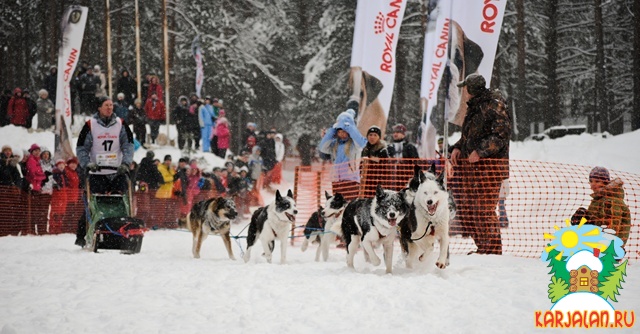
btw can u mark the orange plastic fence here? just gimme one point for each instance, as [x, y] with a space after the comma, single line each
[24, 213]
[537, 196]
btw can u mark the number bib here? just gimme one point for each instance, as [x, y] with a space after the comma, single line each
[106, 151]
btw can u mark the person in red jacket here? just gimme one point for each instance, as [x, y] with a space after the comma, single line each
[154, 87]
[223, 133]
[156, 114]
[58, 198]
[35, 174]
[18, 109]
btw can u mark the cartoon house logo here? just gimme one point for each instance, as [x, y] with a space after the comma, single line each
[587, 275]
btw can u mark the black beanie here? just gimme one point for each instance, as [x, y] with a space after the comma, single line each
[375, 129]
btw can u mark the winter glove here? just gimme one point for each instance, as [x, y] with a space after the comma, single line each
[123, 169]
[580, 213]
[93, 167]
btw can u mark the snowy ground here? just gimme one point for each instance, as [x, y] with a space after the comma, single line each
[48, 285]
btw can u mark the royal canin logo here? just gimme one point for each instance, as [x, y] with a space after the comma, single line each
[378, 26]
[385, 24]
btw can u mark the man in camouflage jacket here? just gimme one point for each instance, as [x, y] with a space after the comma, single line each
[481, 161]
[607, 206]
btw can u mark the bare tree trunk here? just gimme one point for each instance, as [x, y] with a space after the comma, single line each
[520, 98]
[602, 112]
[552, 113]
[118, 52]
[635, 112]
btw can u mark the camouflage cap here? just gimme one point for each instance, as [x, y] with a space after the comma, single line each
[475, 83]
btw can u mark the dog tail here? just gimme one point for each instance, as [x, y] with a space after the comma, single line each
[182, 222]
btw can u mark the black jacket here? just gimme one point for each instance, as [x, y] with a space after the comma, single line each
[409, 151]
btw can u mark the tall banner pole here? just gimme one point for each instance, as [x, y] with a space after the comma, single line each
[373, 60]
[197, 55]
[138, 74]
[72, 27]
[165, 43]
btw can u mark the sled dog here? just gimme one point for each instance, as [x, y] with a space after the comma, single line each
[318, 228]
[210, 216]
[270, 223]
[372, 222]
[428, 220]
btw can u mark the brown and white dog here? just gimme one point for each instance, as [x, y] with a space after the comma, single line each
[210, 216]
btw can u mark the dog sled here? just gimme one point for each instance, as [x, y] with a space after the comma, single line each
[110, 221]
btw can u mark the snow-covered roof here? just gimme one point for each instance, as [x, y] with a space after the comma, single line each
[584, 258]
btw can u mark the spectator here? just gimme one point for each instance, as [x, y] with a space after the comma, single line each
[268, 148]
[372, 153]
[168, 173]
[47, 168]
[149, 176]
[276, 172]
[180, 116]
[22, 169]
[9, 169]
[239, 188]
[73, 176]
[4, 107]
[223, 134]
[249, 131]
[88, 85]
[343, 144]
[154, 87]
[128, 86]
[144, 88]
[18, 109]
[607, 206]
[481, 161]
[305, 149]
[31, 106]
[101, 90]
[121, 107]
[59, 197]
[256, 167]
[251, 142]
[219, 181]
[182, 177]
[51, 83]
[206, 120]
[156, 115]
[35, 175]
[243, 159]
[45, 111]
[116, 153]
[193, 185]
[138, 119]
[401, 148]
[193, 124]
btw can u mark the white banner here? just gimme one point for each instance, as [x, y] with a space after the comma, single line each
[475, 32]
[436, 43]
[197, 55]
[474, 26]
[373, 59]
[72, 27]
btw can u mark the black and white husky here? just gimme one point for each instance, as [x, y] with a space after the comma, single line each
[272, 222]
[318, 228]
[431, 209]
[372, 222]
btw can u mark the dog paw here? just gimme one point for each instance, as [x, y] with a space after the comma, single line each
[232, 258]
[375, 261]
[441, 265]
